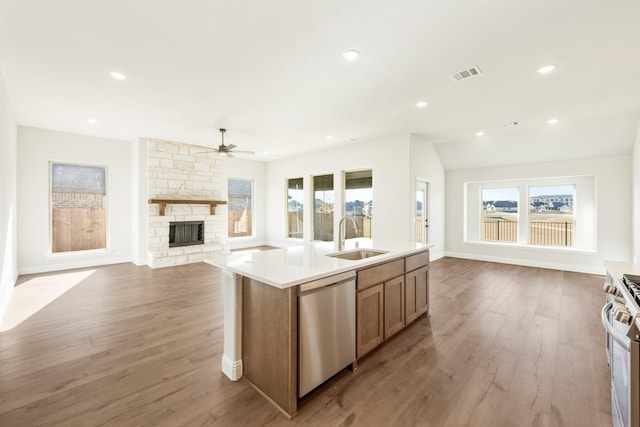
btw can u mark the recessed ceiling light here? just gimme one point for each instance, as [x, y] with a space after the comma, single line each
[329, 137]
[350, 55]
[265, 152]
[421, 104]
[118, 76]
[92, 121]
[480, 133]
[546, 69]
[552, 121]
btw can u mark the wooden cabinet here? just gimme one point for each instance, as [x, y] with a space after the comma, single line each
[416, 293]
[370, 314]
[390, 296]
[270, 341]
[369, 319]
[423, 290]
[393, 306]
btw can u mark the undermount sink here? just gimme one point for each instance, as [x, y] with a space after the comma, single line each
[357, 254]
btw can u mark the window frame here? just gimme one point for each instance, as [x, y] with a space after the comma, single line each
[585, 215]
[518, 215]
[253, 206]
[344, 197]
[313, 204]
[573, 215]
[286, 197]
[107, 208]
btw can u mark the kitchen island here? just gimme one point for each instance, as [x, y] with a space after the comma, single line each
[261, 305]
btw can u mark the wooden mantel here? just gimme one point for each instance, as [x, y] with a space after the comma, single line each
[164, 202]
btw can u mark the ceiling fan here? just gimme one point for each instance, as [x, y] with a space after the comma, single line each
[227, 150]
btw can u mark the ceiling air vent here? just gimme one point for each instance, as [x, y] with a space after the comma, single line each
[467, 73]
[510, 124]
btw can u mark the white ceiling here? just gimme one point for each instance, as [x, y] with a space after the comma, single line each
[273, 75]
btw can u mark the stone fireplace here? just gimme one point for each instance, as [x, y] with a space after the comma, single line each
[182, 172]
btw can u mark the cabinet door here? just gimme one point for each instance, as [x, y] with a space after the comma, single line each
[370, 317]
[393, 306]
[423, 290]
[411, 296]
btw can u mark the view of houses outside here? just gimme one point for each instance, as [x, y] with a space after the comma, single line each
[295, 208]
[323, 208]
[550, 215]
[551, 219]
[358, 202]
[240, 206]
[500, 214]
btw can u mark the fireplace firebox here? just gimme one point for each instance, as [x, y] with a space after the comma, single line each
[186, 233]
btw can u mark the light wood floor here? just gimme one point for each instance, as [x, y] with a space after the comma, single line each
[504, 346]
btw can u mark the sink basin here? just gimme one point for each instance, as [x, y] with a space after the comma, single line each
[357, 254]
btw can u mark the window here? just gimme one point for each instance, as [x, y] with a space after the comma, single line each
[551, 216]
[551, 212]
[358, 202]
[78, 207]
[295, 208]
[240, 206]
[323, 208]
[500, 214]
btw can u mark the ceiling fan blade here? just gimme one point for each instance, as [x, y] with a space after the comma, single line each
[243, 152]
[212, 150]
[229, 154]
[231, 146]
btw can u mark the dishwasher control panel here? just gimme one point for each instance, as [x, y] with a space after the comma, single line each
[326, 281]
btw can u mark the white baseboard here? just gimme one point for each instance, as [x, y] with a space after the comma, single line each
[434, 256]
[231, 368]
[530, 263]
[72, 264]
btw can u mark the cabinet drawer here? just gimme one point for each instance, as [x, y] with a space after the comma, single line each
[379, 273]
[416, 261]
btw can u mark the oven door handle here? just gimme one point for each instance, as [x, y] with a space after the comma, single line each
[620, 339]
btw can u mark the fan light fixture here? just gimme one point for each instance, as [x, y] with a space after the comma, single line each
[226, 150]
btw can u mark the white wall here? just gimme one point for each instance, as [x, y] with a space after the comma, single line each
[139, 201]
[388, 158]
[8, 201]
[613, 211]
[426, 164]
[257, 171]
[635, 168]
[36, 148]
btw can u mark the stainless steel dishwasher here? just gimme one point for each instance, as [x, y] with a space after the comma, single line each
[326, 329]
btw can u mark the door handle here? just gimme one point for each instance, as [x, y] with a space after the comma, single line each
[620, 339]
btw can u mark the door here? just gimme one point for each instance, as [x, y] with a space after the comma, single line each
[422, 211]
[393, 306]
[370, 319]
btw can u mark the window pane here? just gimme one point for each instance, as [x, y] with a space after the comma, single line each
[240, 206]
[500, 214]
[78, 207]
[551, 216]
[295, 208]
[358, 202]
[323, 208]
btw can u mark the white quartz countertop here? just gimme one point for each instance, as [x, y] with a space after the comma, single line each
[617, 268]
[291, 266]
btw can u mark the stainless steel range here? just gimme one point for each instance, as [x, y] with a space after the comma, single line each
[621, 321]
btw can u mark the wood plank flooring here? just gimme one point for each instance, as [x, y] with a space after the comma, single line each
[130, 346]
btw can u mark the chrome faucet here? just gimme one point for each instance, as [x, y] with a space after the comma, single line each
[343, 237]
